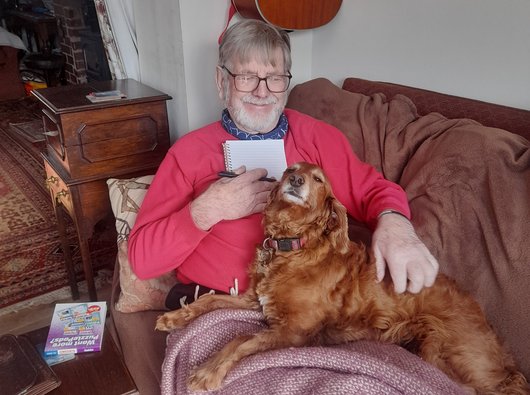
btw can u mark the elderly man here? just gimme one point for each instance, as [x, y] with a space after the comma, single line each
[207, 228]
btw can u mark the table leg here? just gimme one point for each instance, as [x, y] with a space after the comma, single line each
[67, 254]
[87, 267]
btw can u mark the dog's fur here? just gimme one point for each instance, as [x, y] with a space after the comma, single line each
[326, 293]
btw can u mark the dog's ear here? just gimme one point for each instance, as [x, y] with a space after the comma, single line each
[337, 225]
[273, 193]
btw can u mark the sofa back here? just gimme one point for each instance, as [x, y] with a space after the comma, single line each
[514, 120]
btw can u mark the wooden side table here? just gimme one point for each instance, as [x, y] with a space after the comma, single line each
[87, 143]
[102, 372]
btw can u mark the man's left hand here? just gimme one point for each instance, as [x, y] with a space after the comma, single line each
[396, 245]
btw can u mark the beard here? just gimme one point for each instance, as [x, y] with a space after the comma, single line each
[251, 123]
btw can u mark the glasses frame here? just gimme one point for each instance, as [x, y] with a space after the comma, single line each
[289, 76]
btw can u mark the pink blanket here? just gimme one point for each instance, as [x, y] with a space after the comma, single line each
[362, 367]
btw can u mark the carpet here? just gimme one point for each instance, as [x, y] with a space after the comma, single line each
[31, 260]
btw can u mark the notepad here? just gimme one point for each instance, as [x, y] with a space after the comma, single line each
[266, 154]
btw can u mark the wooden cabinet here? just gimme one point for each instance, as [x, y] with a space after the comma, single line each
[87, 143]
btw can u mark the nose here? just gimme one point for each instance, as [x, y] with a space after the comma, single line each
[261, 90]
[295, 180]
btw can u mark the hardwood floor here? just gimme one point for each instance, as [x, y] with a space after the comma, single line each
[37, 316]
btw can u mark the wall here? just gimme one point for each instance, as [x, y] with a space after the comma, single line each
[473, 48]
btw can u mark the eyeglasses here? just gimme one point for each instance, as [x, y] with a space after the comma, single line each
[249, 82]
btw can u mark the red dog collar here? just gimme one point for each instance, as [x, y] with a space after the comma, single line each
[287, 244]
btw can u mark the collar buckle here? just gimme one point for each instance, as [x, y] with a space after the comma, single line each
[286, 244]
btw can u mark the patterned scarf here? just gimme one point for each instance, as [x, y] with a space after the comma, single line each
[275, 134]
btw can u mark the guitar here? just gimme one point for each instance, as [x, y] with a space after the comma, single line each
[289, 14]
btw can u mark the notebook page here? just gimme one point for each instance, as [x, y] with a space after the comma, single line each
[267, 154]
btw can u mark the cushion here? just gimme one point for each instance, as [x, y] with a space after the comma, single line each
[126, 196]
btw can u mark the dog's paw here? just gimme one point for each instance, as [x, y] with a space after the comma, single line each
[205, 379]
[174, 319]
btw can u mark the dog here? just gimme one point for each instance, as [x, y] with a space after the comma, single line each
[316, 287]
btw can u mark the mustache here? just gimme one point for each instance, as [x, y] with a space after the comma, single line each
[259, 101]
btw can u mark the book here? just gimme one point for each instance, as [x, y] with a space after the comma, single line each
[97, 97]
[22, 368]
[266, 154]
[76, 328]
[53, 359]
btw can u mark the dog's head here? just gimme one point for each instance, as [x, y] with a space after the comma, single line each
[303, 205]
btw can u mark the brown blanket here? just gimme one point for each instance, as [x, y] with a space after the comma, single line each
[468, 187]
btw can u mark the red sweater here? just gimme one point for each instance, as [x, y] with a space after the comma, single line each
[165, 237]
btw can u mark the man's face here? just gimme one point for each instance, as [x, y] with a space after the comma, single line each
[258, 111]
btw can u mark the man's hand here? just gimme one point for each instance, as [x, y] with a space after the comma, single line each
[231, 198]
[396, 244]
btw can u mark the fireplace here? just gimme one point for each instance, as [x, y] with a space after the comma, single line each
[81, 42]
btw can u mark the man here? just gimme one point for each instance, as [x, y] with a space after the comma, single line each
[207, 228]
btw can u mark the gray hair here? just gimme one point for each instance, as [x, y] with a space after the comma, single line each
[249, 38]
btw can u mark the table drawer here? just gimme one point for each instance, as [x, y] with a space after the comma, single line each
[59, 191]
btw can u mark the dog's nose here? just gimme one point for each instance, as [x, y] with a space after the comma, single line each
[296, 180]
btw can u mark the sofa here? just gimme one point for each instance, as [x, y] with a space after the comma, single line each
[465, 166]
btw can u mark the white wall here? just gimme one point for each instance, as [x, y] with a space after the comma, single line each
[471, 48]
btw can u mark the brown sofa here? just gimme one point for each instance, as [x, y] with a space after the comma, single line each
[479, 234]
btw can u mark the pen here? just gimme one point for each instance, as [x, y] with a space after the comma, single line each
[231, 174]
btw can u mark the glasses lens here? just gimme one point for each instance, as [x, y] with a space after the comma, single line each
[246, 83]
[277, 83]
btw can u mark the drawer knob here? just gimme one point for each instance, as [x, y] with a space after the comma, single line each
[52, 180]
[62, 193]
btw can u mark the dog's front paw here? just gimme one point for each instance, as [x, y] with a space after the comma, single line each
[205, 379]
[174, 319]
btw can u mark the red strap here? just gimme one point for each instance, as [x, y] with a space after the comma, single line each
[287, 244]
[231, 13]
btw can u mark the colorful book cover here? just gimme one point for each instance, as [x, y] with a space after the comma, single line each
[76, 328]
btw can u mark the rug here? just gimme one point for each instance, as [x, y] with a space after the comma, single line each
[30, 130]
[31, 260]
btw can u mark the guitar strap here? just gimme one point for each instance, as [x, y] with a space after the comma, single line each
[231, 13]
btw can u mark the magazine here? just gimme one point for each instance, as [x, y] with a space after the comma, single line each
[76, 328]
[97, 97]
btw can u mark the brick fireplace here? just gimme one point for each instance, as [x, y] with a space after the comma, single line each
[80, 41]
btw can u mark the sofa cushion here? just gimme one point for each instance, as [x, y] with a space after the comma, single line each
[126, 196]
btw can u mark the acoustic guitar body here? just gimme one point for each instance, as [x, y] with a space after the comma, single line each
[290, 14]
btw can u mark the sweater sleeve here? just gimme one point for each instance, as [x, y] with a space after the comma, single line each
[360, 187]
[164, 234]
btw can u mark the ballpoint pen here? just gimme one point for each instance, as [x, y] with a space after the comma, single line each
[231, 174]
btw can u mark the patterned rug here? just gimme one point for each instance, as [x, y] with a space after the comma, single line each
[31, 260]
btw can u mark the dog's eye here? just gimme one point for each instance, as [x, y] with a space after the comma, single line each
[289, 170]
[317, 179]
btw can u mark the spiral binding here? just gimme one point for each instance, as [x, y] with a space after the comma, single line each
[228, 157]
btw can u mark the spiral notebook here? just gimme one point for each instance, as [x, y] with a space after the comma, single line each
[266, 154]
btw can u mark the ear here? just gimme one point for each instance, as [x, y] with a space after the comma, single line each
[337, 226]
[273, 193]
[219, 79]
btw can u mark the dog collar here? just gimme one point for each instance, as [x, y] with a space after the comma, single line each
[287, 244]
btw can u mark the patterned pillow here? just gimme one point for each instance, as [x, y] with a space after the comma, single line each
[126, 196]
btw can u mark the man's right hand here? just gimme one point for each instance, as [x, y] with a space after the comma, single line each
[231, 198]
